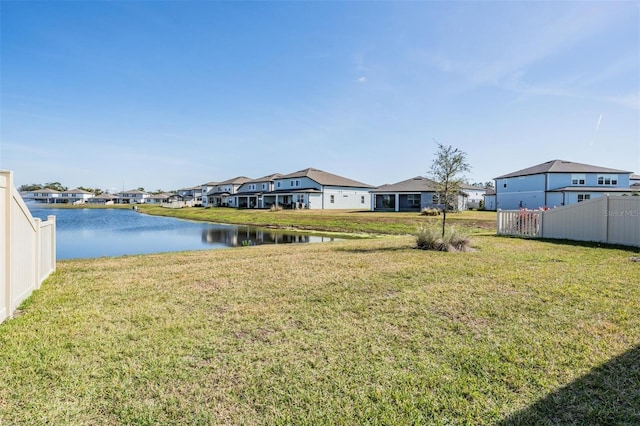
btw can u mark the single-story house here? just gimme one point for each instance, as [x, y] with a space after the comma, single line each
[104, 198]
[558, 183]
[412, 195]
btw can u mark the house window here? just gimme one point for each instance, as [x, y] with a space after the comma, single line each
[582, 197]
[332, 199]
[607, 179]
[435, 199]
[278, 185]
[578, 179]
[362, 199]
[413, 200]
[264, 186]
[292, 183]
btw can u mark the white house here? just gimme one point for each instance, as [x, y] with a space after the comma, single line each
[133, 196]
[104, 198]
[44, 195]
[475, 195]
[411, 195]
[316, 189]
[221, 195]
[192, 195]
[76, 196]
[558, 183]
[251, 193]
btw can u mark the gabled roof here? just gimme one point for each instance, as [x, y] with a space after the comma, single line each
[106, 196]
[209, 184]
[472, 187]
[133, 191]
[634, 177]
[234, 181]
[325, 178]
[46, 191]
[78, 191]
[560, 166]
[268, 178]
[416, 184]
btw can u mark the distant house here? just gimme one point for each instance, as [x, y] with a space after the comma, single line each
[634, 183]
[193, 195]
[44, 195]
[221, 195]
[104, 198]
[490, 199]
[205, 189]
[558, 183]
[475, 195]
[133, 196]
[76, 196]
[411, 195]
[251, 193]
[159, 198]
[316, 189]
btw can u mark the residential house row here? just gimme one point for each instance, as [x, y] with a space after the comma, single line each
[554, 183]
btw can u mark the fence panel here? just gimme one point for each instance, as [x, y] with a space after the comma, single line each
[521, 223]
[623, 217]
[607, 219]
[584, 221]
[27, 255]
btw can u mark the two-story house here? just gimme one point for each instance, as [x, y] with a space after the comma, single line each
[251, 193]
[316, 189]
[558, 183]
[222, 194]
[192, 195]
[133, 196]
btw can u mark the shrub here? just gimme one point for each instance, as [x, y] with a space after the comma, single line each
[430, 238]
[429, 211]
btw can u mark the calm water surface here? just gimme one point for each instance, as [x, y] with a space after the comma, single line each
[86, 233]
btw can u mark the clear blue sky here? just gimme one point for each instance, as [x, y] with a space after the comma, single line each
[170, 94]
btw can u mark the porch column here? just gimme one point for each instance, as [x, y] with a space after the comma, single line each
[397, 208]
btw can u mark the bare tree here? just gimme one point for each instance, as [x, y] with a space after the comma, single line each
[446, 171]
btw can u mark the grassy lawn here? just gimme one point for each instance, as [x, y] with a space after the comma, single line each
[327, 220]
[350, 332]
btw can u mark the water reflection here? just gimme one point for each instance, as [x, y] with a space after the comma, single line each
[247, 236]
[85, 233]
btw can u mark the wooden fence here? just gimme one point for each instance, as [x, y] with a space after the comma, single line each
[607, 219]
[27, 249]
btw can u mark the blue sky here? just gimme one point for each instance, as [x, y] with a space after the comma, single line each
[170, 94]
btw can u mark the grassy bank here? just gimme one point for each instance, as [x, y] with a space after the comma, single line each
[327, 220]
[350, 332]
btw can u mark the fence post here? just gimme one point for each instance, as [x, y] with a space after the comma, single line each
[37, 249]
[6, 183]
[608, 220]
[54, 225]
[499, 221]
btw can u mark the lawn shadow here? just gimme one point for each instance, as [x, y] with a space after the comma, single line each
[589, 244]
[608, 395]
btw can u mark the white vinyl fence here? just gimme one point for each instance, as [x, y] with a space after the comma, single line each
[607, 219]
[27, 249]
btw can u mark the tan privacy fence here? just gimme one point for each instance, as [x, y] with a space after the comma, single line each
[607, 219]
[27, 248]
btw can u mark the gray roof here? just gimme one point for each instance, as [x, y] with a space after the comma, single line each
[634, 177]
[78, 191]
[268, 178]
[106, 196]
[325, 178]
[416, 184]
[560, 166]
[235, 181]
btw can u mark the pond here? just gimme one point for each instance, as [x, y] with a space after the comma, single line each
[88, 233]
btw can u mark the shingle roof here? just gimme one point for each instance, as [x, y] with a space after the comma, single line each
[267, 178]
[235, 180]
[561, 166]
[589, 189]
[416, 184]
[78, 191]
[325, 178]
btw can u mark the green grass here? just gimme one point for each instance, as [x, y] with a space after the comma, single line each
[350, 332]
[349, 221]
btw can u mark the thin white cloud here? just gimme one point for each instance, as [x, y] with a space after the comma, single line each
[361, 79]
